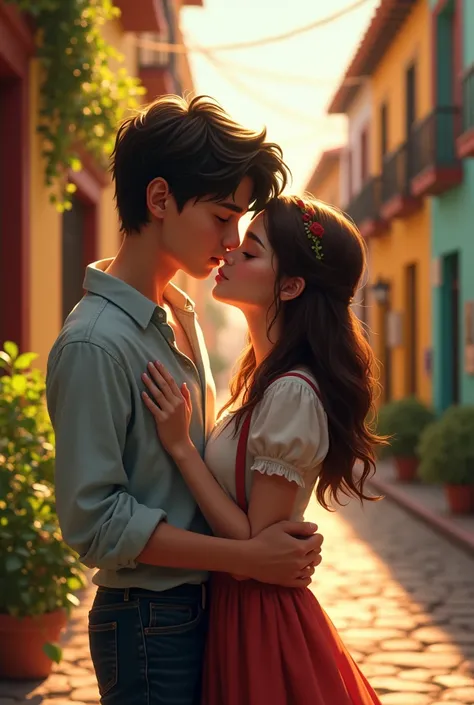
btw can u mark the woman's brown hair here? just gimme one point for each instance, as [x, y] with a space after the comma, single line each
[320, 331]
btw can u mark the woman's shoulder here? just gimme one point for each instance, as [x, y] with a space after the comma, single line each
[298, 378]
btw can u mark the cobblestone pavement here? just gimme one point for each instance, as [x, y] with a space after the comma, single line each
[402, 598]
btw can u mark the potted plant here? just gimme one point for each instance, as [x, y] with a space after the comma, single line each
[446, 450]
[403, 421]
[39, 573]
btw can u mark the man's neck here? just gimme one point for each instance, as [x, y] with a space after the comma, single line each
[140, 264]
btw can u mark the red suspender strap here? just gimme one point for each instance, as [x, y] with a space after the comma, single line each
[240, 464]
[242, 445]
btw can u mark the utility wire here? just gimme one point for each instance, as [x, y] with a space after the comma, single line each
[256, 95]
[183, 48]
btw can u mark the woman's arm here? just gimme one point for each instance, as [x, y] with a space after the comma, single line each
[223, 515]
[171, 409]
[272, 498]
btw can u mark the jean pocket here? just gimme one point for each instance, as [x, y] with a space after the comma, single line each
[173, 618]
[103, 647]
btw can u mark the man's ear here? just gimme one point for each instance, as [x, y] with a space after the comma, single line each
[157, 196]
[291, 288]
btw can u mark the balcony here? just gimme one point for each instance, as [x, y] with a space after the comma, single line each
[156, 67]
[465, 143]
[397, 199]
[364, 209]
[433, 161]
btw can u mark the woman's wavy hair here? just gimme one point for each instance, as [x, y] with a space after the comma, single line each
[320, 331]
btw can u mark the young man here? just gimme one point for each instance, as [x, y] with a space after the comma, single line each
[184, 175]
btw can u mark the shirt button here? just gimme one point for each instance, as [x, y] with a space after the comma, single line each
[161, 315]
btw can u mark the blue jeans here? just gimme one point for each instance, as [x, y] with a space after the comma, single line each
[147, 647]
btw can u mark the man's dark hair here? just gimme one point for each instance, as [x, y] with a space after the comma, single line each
[198, 149]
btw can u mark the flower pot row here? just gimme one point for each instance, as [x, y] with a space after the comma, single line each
[434, 450]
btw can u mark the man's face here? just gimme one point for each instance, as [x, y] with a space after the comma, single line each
[197, 239]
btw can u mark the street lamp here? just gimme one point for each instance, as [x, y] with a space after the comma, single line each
[381, 290]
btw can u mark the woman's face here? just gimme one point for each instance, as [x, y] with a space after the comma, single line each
[247, 279]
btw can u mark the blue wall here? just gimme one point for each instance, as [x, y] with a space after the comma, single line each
[453, 231]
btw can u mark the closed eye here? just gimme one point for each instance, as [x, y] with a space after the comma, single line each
[222, 220]
[247, 256]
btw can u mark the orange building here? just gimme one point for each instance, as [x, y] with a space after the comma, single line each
[391, 205]
[325, 181]
[43, 253]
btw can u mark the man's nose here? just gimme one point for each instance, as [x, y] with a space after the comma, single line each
[232, 238]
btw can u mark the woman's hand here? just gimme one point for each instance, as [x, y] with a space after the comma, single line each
[171, 408]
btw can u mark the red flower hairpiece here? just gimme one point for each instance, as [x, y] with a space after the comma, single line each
[313, 229]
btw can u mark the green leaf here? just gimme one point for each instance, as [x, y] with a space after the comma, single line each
[24, 361]
[53, 651]
[11, 349]
[19, 384]
[13, 563]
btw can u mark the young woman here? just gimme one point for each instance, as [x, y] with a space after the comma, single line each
[296, 420]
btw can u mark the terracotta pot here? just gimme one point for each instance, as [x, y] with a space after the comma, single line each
[406, 468]
[21, 644]
[460, 498]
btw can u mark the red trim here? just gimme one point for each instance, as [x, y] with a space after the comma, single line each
[436, 180]
[241, 457]
[399, 207]
[142, 15]
[157, 80]
[465, 144]
[16, 47]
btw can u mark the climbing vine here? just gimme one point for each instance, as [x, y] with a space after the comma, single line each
[84, 90]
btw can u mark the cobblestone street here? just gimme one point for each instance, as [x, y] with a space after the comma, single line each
[402, 598]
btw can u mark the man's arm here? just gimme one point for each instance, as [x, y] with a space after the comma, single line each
[90, 404]
[89, 401]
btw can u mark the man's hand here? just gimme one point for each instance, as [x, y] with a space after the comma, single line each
[276, 556]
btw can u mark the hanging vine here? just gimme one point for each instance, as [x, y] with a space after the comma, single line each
[83, 97]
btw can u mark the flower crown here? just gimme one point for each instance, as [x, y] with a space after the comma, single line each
[313, 229]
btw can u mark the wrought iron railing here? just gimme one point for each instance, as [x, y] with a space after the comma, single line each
[395, 173]
[432, 142]
[366, 205]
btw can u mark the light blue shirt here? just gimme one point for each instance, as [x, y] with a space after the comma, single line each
[114, 480]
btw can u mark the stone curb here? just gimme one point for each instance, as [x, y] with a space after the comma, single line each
[443, 525]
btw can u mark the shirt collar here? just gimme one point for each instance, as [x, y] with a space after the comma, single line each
[129, 299]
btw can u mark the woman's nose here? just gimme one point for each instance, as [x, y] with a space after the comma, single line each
[228, 258]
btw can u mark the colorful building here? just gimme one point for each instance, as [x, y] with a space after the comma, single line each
[42, 252]
[325, 181]
[452, 211]
[408, 143]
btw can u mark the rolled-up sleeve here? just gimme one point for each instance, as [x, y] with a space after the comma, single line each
[90, 404]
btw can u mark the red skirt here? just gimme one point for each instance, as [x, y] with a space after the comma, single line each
[269, 645]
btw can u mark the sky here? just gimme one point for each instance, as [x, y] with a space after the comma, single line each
[287, 85]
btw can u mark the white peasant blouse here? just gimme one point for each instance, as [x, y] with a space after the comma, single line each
[288, 437]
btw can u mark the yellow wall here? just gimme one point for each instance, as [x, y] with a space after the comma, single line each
[412, 43]
[329, 189]
[46, 223]
[406, 243]
[408, 239]
[45, 245]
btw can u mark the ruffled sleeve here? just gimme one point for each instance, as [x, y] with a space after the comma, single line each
[289, 431]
